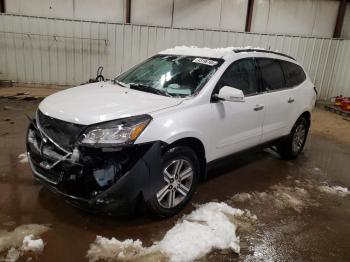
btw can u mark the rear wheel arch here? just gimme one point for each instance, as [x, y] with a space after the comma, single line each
[307, 116]
[292, 146]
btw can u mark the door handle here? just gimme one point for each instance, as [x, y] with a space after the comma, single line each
[290, 100]
[258, 107]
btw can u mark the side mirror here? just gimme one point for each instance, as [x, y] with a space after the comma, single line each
[231, 94]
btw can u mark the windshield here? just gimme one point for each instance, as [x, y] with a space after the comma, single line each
[171, 74]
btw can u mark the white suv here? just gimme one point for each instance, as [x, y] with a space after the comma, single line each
[148, 135]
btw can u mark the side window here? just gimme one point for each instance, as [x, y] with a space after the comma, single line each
[271, 74]
[241, 75]
[293, 74]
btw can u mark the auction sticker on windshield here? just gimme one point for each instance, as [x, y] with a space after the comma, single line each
[204, 61]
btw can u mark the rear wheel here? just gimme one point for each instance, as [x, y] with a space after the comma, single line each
[294, 144]
[180, 173]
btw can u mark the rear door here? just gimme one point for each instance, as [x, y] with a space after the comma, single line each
[277, 98]
[295, 80]
[238, 125]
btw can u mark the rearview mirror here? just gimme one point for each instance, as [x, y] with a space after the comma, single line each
[231, 94]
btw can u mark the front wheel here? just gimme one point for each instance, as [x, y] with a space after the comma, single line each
[294, 144]
[180, 173]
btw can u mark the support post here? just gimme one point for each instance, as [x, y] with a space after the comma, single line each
[127, 11]
[340, 19]
[172, 13]
[249, 16]
[2, 6]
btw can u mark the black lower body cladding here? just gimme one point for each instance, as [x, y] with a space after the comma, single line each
[99, 180]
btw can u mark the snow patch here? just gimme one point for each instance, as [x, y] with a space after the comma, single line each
[9, 223]
[206, 228]
[107, 249]
[242, 197]
[12, 255]
[204, 51]
[210, 226]
[21, 240]
[280, 196]
[15, 238]
[31, 244]
[23, 158]
[289, 197]
[335, 190]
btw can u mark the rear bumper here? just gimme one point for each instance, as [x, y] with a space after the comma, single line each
[98, 180]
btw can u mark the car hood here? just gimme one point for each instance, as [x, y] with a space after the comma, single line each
[99, 102]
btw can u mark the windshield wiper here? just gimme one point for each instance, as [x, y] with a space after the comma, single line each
[119, 83]
[146, 88]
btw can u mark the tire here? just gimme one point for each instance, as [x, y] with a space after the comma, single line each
[179, 182]
[294, 144]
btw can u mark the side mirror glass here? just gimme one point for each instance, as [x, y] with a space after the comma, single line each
[231, 94]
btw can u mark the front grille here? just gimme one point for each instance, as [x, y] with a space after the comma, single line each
[40, 153]
[61, 132]
[53, 175]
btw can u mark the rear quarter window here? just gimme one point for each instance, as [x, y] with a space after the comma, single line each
[293, 73]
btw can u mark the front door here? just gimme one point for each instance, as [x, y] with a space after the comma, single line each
[238, 125]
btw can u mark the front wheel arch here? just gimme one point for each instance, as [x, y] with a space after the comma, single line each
[198, 148]
[170, 154]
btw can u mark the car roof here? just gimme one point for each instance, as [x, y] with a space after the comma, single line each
[224, 53]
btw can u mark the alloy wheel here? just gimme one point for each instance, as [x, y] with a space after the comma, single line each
[178, 177]
[298, 138]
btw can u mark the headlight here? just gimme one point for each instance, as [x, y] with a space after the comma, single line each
[121, 131]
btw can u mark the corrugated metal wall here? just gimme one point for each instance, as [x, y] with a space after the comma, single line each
[68, 52]
[339, 83]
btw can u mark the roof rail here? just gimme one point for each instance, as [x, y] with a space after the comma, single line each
[261, 51]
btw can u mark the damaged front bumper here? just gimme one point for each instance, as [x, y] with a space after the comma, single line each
[101, 180]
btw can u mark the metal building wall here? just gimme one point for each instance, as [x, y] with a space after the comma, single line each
[101, 10]
[68, 52]
[346, 24]
[309, 18]
[340, 81]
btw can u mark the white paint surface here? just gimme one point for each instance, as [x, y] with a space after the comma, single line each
[100, 102]
[175, 118]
